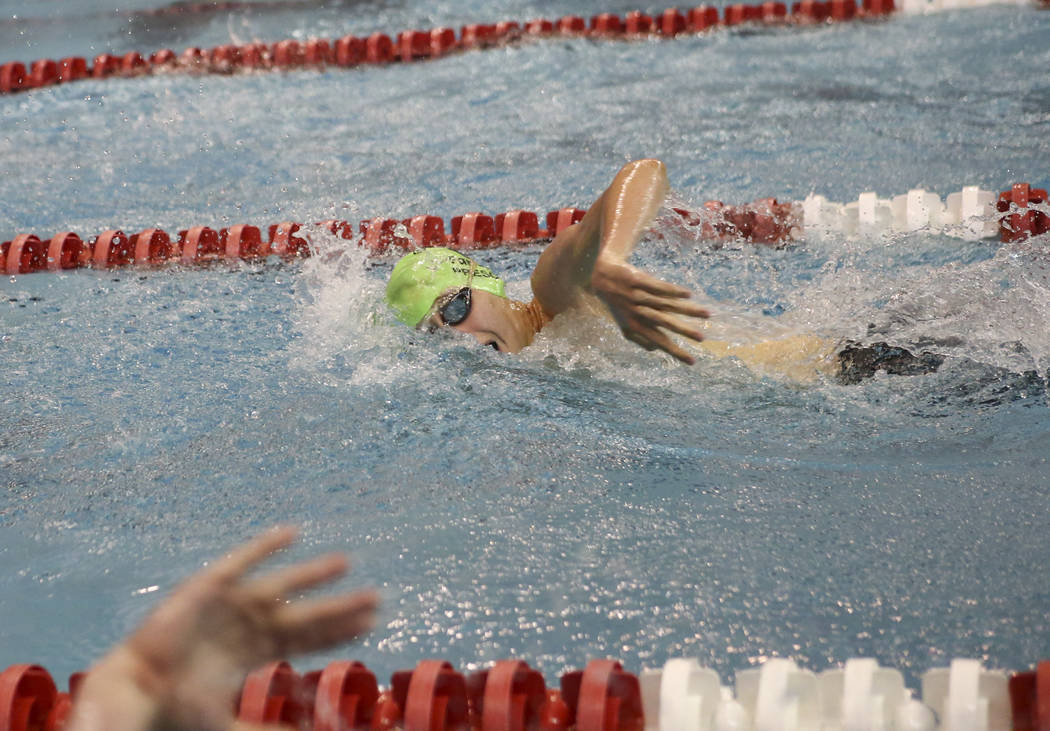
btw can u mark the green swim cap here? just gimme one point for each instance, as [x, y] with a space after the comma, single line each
[424, 275]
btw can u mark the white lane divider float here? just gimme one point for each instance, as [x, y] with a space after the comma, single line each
[967, 697]
[969, 214]
[927, 7]
[861, 696]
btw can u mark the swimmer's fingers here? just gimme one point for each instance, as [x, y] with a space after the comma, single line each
[649, 291]
[299, 577]
[660, 319]
[307, 626]
[655, 285]
[619, 279]
[672, 348]
[237, 563]
[652, 339]
[677, 305]
[689, 309]
[643, 304]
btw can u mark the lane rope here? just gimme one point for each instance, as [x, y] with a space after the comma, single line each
[1013, 215]
[680, 696]
[416, 45]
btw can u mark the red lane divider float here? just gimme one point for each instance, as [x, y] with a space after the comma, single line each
[273, 695]
[27, 253]
[30, 701]
[604, 697]
[1030, 699]
[1021, 220]
[416, 45]
[511, 695]
[1023, 212]
[347, 697]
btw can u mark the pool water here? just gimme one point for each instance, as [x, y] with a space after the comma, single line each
[585, 498]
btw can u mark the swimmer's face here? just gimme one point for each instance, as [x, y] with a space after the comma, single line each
[493, 321]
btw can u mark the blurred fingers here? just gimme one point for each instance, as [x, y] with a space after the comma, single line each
[244, 557]
[317, 624]
[300, 577]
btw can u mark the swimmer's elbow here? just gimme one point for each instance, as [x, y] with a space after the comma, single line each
[649, 165]
[639, 177]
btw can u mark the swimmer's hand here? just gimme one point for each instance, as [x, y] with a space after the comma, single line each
[182, 668]
[644, 306]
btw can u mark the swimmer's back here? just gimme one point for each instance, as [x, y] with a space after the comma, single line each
[800, 357]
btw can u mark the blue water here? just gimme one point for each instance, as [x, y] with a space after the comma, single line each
[583, 499]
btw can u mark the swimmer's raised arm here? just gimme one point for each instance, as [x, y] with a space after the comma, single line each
[592, 257]
[181, 669]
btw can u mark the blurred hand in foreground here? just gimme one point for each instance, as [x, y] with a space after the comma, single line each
[183, 667]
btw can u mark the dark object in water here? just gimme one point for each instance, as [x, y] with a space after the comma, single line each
[980, 385]
[857, 362]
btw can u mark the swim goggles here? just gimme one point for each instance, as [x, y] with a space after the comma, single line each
[456, 308]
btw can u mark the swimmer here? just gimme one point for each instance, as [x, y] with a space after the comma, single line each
[182, 668]
[586, 267]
